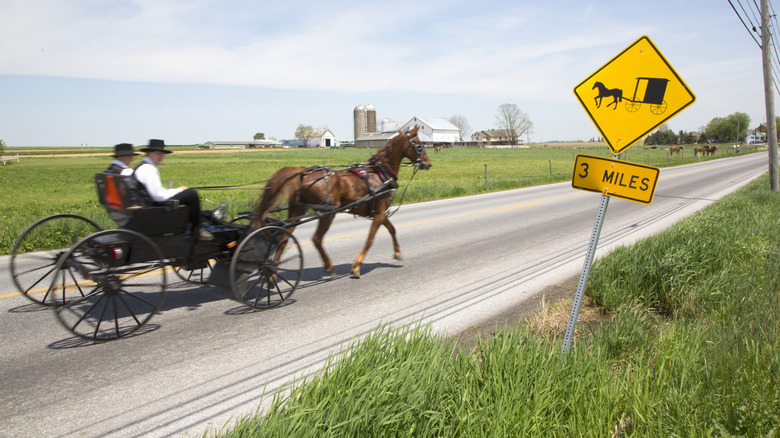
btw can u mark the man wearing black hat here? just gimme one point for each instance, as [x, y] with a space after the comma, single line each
[123, 156]
[147, 174]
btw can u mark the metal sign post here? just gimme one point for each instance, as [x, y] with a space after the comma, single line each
[589, 256]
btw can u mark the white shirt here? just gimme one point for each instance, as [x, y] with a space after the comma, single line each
[125, 169]
[148, 175]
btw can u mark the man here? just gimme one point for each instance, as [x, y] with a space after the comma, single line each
[123, 156]
[147, 174]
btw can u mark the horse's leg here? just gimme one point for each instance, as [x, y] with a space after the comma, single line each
[375, 223]
[598, 101]
[322, 227]
[391, 230]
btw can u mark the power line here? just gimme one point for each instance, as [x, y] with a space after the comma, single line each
[774, 58]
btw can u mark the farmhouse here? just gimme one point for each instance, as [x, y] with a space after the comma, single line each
[754, 137]
[494, 137]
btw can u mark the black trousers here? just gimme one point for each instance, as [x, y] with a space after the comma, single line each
[190, 198]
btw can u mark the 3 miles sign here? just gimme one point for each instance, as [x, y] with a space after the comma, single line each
[621, 179]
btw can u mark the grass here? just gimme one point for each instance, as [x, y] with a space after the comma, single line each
[40, 186]
[691, 347]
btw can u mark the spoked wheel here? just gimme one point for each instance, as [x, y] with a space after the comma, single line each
[36, 252]
[658, 109]
[632, 106]
[122, 277]
[199, 275]
[266, 268]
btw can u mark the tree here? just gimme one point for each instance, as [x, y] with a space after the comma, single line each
[305, 133]
[462, 124]
[663, 136]
[722, 129]
[514, 121]
[2, 147]
[259, 136]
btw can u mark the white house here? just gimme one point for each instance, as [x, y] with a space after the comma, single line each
[433, 130]
[754, 137]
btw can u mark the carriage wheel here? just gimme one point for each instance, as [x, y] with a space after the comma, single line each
[197, 275]
[266, 268]
[658, 109]
[35, 254]
[633, 107]
[123, 279]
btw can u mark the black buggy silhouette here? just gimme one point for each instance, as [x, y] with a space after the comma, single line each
[653, 90]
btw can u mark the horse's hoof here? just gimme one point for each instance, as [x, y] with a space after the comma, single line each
[330, 271]
[355, 272]
[398, 256]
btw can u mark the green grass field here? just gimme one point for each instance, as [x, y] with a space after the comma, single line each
[39, 186]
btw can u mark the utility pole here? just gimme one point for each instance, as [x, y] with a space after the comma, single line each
[769, 97]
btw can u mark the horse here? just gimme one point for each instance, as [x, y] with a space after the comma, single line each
[700, 150]
[615, 93]
[676, 150]
[711, 149]
[369, 184]
[437, 149]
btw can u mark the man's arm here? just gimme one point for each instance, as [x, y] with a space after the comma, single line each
[149, 176]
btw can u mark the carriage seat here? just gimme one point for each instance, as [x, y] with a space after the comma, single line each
[122, 199]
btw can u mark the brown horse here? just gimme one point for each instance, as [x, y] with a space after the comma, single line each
[676, 150]
[369, 186]
[711, 149]
[700, 150]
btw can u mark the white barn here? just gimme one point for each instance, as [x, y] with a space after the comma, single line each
[433, 130]
[322, 138]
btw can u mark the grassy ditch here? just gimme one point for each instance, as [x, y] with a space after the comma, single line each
[691, 347]
[40, 186]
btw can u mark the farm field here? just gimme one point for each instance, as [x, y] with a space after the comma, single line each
[53, 180]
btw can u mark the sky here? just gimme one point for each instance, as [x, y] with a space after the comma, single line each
[102, 72]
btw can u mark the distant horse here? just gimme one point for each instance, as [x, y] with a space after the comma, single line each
[711, 149]
[369, 184]
[437, 149]
[615, 93]
[703, 150]
[676, 150]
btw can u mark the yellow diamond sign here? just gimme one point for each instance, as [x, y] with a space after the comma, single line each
[632, 94]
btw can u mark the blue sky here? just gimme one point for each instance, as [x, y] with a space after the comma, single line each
[101, 72]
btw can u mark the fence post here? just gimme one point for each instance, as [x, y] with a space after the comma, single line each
[485, 173]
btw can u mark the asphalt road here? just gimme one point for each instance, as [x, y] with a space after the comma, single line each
[205, 360]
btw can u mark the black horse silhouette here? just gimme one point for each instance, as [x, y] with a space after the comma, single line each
[615, 93]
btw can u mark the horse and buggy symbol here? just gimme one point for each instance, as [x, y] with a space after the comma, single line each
[107, 284]
[650, 91]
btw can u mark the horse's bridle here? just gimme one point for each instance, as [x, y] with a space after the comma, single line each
[419, 148]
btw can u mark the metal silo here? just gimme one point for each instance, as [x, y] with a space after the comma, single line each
[370, 118]
[359, 121]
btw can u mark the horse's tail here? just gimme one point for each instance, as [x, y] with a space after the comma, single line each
[282, 185]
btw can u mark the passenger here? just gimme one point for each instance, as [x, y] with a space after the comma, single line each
[123, 156]
[147, 174]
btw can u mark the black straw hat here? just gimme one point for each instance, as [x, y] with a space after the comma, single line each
[124, 150]
[156, 145]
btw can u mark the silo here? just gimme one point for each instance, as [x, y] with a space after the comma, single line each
[370, 118]
[359, 121]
